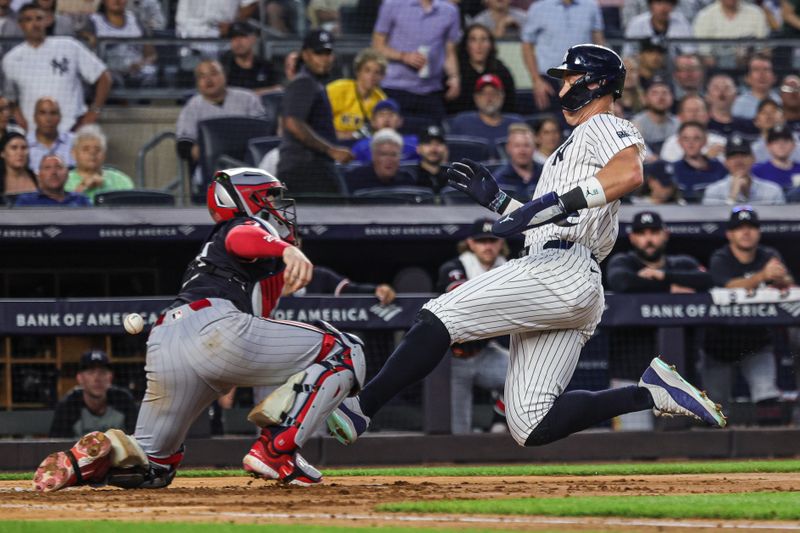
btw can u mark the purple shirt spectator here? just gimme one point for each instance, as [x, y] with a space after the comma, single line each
[408, 28]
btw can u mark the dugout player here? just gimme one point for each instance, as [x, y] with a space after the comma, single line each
[214, 337]
[550, 300]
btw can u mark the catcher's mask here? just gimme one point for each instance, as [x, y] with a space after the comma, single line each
[252, 192]
[601, 67]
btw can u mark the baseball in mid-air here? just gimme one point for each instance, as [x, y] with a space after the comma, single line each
[134, 323]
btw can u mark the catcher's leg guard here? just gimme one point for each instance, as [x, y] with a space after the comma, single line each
[308, 397]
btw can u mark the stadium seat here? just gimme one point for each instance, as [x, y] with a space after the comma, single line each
[228, 136]
[257, 148]
[452, 196]
[414, 125]
[475, 148]
[272, 105]
[394, 195]
[136, 197]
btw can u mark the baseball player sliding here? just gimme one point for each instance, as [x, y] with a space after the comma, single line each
[215, 336]
[549, 301]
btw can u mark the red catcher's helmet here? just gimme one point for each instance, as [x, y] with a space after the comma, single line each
[252, 192]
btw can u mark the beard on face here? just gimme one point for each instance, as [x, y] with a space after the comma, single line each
[649, 257]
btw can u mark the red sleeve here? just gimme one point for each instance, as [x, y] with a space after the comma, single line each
[249, 241]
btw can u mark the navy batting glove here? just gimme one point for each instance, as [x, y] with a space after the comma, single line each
[538, 212]
[475, 180]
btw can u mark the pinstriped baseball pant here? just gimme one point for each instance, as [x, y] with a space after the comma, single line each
[550, 303]
[196, 356]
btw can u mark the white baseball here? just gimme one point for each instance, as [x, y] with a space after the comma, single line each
[134, 323]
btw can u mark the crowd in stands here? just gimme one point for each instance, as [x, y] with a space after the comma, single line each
[429, 63]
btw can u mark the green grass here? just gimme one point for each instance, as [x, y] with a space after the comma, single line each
[175, 527]
[746, 506]
[612, 469]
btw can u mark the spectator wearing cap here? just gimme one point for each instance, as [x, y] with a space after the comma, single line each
[501, 18]
[743, 264]
[692, 108]
[95, 404]
[521, 173]
[551, 28]
[728, 19]
[480, 363]
[647, 268]
[739, 186]
[477, 55]
[353, 100]
[214, 99]
[768, 116]
[695, 171]
[46, 139]
[659, 186]
[386, 114]
[720, 95]
[309, 147]
[384, 170]
[243, 66]
[656, 122]
[51, 179]
[652, 60]
[661, 19]
[419, 39]
[688, 73]
[790, 98]
[760, 79]
[433, 155]
[488, 122]
[781, 168]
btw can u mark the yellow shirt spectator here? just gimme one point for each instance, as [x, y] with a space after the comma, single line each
[352, 100]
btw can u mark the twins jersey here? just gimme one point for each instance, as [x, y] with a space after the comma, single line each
[590, 147]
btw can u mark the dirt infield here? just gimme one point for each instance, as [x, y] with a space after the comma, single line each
[349, 501]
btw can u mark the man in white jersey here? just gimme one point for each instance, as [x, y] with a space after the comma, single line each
[550, 300]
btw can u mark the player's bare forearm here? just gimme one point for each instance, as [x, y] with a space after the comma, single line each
[303, 133]
[622, 174]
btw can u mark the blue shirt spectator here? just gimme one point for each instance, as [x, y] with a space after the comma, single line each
[419, 38]
[695, 171]
[488, 122]
[386, 114]
[740, 186]
[385, 170]
[551, 27]
[52, 178]
[520, 176]
[780, 168]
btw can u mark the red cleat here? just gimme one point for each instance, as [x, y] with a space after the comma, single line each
[291, 468]
[91, 454]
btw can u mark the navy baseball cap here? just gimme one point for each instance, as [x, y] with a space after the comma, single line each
[94, 358]
[653, 43]
[661, 171]
[482, 229]
[779, 132]
[388, 103]
[241, 29]
[737, 145]
[646, 220]
[318, 41]
[743, 214]
[431, 133]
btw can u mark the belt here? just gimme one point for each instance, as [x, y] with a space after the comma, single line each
[557, 244]
[194, 306]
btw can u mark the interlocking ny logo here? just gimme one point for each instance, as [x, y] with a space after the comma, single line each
[560, 154]
[60, 67]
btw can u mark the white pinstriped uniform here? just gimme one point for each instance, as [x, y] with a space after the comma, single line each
[551, 300]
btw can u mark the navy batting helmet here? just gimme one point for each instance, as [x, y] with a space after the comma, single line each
[601, 66]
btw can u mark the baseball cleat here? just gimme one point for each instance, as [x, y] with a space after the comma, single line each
[91, 455]
[262, 461]
[346, 423]
[673, 395]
